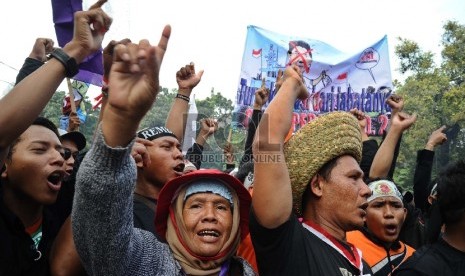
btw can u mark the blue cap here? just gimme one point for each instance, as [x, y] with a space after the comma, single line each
[207, 185]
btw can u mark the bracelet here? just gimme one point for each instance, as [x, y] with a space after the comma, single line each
[183, 97]
[71, 67]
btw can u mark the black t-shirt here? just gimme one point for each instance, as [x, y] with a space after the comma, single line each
[18, 255]
[437, 259]
[144, 213]
[290, 249]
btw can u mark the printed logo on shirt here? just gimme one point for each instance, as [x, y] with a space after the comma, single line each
[36, 237]
[345, 272]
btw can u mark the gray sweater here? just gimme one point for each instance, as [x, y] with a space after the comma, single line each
[102, 219]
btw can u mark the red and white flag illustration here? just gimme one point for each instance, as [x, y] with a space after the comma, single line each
[256, 53]
[342, 76]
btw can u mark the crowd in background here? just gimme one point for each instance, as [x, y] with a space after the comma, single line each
[320, 201]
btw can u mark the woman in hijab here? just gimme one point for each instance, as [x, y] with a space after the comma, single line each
[203, 216]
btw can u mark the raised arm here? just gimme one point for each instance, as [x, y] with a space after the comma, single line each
[369, 147]
[102, 217]
[208, 127]
[274, 205]
[20, 107]
[383, 159]
[135, 84]
[187, 79]
[229, 158]
[396, 102]
[107, 63]
[10, 125]
[261, 97]
[362, 122]
[38, 56]
[424, 166]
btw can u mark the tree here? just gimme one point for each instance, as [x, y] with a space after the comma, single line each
[453, 41]
[215, 106]
[52, 111]
[436, 94]
[412, 58]
[157, 115]
[218, 107]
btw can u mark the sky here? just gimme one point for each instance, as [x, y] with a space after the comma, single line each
[212, 33]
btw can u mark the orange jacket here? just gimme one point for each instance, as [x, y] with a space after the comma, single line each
[376, 256]
[247, 252]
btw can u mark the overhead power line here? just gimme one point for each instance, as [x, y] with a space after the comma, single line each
[9, 66]
[10, 83]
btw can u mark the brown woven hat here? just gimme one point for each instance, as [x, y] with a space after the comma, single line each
[318, 142]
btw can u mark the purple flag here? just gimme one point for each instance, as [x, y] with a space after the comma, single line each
[91, 69]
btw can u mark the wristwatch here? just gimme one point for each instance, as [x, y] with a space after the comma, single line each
[70, 64]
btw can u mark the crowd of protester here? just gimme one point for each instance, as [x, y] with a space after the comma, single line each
[320, 201]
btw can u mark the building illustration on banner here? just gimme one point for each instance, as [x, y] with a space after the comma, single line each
[337, 81]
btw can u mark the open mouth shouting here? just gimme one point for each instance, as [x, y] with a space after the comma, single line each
[209, 235]
[54, 180]
[179, 169]
[391, 229]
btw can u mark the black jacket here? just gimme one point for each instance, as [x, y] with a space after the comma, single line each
[437, 259]
[17, 251]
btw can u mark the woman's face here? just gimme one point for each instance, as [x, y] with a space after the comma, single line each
[208, 220]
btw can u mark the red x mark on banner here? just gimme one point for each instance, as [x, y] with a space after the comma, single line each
[300, 55]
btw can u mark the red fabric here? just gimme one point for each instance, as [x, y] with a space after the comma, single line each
[168, 192]
[34, 227]
[247, 252]
[352, 255]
